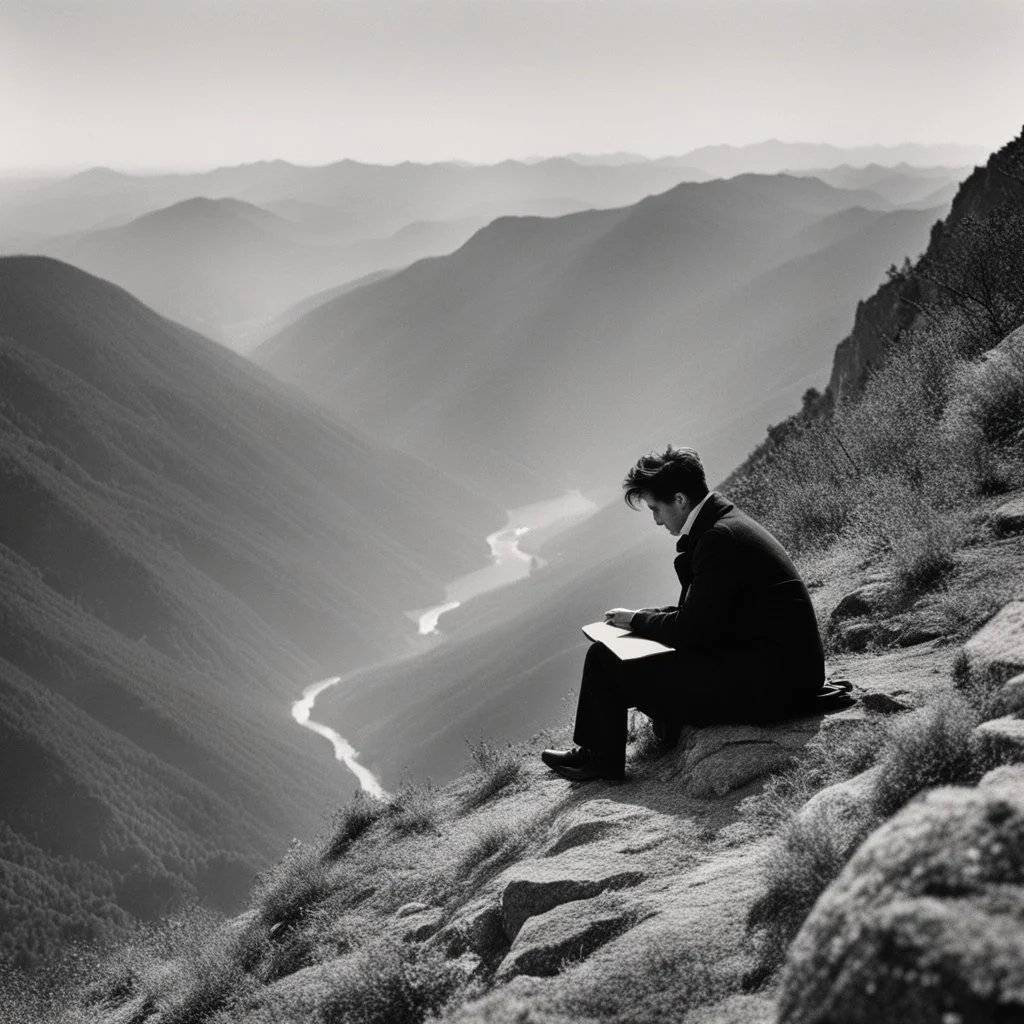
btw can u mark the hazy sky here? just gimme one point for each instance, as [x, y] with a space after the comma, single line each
[196, 83]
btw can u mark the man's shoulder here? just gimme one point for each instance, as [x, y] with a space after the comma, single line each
[736, 524]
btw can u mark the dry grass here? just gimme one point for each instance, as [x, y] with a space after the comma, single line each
[928, 747]
[923, 559]
[415, 808]
[290, 889]
[804, 860]
[492, 770]
[826, 760]
[350, 822]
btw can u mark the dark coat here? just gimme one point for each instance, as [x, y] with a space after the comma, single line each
[744, 613]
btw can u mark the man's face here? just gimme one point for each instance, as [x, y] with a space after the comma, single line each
[670, 514]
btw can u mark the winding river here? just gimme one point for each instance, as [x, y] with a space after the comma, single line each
[508, 564]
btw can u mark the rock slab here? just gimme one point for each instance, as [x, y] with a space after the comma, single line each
[1009, 700]
[996, 651]
[1001, 741]
[568, 932]
[721, 758]
[1008, 519]
[926, 922]
[537, 886]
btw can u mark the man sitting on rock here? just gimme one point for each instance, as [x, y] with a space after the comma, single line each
[744, 635]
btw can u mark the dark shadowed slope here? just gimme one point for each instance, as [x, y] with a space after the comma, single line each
[184, 546]
[549, 347]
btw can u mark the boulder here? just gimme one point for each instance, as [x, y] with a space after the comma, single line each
[568, 932]
[1000, 741]
[718, 759]
[913, 634]
[1008, 519]
[477, 929]
[1009, 699]
[925, 923]
[843, 811]
[882, 703]
[996, 651]
[1004, 775]
[608, 827]
[534, 887]
[420, 926]
[854, 636]
[865, 600]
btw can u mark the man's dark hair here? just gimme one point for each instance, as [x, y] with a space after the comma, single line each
[663, 476]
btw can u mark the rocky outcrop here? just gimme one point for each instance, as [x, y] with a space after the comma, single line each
[719, 759]
[1000, 741]
[895, 305]
[843, 811]
[865, 600]
[1008, 519]
[926, 922]
[1008, 701]
[592, 853]
[569, 931]
[996, 652]
[536, 886]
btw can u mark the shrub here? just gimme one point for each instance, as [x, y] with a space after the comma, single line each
[350, 822]
[391, 982]
[803, 861]
[929, 747]
[184, 972]
[827, 759]
[924, 558]
[293, 887]
[652, 980]
[414, 808]
[995, 395]
[493, 769]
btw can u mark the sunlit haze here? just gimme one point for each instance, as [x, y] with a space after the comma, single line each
[200, 83]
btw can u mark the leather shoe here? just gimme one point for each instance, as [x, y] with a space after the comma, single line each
[582, 765]
[666, 732]
[572, 758]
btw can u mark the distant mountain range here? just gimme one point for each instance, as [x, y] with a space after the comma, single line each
[228, 250]
[773, 157]
[543, 352]
[185, 545]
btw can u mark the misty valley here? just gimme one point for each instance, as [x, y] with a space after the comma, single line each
[309, 475]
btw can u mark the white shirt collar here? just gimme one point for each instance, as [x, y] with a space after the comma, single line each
[692, 517]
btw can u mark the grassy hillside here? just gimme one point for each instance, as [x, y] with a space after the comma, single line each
[184, 547]
[510, 895]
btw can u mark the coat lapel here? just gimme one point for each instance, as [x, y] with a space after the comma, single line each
[714, 508]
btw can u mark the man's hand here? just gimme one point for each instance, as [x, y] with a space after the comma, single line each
[620, 617]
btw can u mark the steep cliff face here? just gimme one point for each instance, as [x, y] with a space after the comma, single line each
[894, 307]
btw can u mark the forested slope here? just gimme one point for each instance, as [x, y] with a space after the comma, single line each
[184, 546]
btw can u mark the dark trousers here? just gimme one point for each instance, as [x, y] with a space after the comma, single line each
[686, 689]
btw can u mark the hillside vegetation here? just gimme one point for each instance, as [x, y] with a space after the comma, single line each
[925, 405]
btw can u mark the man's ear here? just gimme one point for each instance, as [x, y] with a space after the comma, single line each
[680, 498]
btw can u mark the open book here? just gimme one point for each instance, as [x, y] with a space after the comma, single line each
[622, 643]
